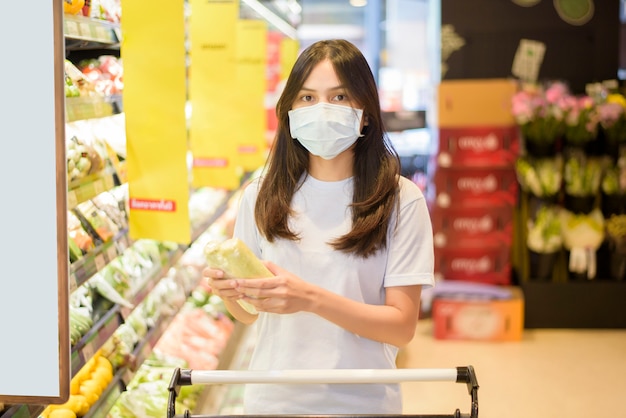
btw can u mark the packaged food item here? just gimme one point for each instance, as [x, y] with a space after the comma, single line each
[236, 260]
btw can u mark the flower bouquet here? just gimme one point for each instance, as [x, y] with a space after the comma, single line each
[544, 242]
[581, 176]
[582, 236]
[539, 112]
[616, 236]
[540, 177]
[612, 117]
[613, 188]
[581, 123]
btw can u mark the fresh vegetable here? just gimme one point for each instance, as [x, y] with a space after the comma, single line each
[237, 261]
[73, 7]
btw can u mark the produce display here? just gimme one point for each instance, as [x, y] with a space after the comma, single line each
[82, 159]
[85, 389]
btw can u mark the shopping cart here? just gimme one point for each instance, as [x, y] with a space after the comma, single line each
[185, 377]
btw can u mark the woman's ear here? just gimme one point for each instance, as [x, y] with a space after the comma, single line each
[366, 120]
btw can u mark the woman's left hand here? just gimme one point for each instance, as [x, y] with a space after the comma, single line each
[284, 293]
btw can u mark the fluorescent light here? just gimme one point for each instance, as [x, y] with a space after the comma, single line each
[358, 3]
[271, 17]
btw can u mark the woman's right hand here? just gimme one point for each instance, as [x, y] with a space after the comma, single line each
[226, 290]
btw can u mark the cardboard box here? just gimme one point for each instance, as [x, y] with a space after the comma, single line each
[485, 146]
[474, 261]
[475, 186]
[466, 318]
[489, 223]
[476, 102]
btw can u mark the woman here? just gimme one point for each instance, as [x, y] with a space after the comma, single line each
[349, 242]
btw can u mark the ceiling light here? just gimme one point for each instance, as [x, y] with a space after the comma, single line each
[358, 3]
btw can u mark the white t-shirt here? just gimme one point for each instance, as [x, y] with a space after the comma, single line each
[306, 341]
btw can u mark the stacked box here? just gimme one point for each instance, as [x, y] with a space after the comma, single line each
[474, 180]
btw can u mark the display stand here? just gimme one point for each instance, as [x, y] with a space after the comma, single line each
[561, 302]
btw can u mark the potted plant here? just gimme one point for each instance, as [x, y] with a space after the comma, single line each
[613, 188]
[539, 113]
[612, 117]
[581, 124]
[581, 176]
[544, 242]
[582, 236]
[616, 237]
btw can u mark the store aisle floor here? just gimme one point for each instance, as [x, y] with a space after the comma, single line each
[550, 373]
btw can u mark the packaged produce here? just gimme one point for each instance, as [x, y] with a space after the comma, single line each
[236, 260]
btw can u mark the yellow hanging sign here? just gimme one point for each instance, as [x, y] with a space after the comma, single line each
[251, 60]
[153, 51]
[212, 87]
[288, 54]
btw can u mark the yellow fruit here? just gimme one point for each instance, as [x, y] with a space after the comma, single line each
[62, 413]
[73, 7]
[102, 376]
[82, 406]
[74, 386]
[103, 362]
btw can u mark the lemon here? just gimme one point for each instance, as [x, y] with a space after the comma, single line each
[74, 386]
[102, 376]
[103, 362]
[82, 406]
[62, 413]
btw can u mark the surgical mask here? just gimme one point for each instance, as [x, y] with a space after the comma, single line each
[324, 129]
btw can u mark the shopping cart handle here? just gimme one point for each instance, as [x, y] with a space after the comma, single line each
[186, 377]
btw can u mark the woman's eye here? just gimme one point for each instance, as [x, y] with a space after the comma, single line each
[339, 98]
[307, 98]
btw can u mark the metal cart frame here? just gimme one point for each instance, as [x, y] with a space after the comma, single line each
[185, 377]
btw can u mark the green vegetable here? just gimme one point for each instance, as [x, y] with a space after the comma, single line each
[236, 260]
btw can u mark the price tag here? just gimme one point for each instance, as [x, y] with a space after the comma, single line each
[127, 377]
[72, 201]
[85, 30]
[103, 34]
[71, 28]
[112, 253]
[73, 282]
[100, 262]
[88, 351]
[98, 187]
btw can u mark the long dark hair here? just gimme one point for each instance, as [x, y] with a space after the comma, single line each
[376, 164]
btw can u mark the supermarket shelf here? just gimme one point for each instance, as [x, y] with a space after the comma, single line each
[83, 269]
[102, 330]
[84, 33]
[89, 107]
[81, 190]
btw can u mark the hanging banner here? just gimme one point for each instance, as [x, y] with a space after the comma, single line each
[274, 87]
[212, 86]
[153, 51]
[251, 61]
[289, 49]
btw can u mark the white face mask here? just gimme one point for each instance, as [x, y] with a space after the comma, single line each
[324, 129]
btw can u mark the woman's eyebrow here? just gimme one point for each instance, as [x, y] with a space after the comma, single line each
[341, 87]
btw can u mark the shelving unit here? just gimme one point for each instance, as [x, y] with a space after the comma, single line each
[91, 36]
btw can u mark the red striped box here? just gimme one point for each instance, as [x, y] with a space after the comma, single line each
[491, 224]
[473, 186]
[489, 263]
[488, 146]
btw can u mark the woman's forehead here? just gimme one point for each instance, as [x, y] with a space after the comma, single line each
[322, 77]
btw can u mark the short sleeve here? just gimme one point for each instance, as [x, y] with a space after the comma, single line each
[410, 258]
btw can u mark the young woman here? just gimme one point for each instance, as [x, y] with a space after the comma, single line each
[349, 242]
